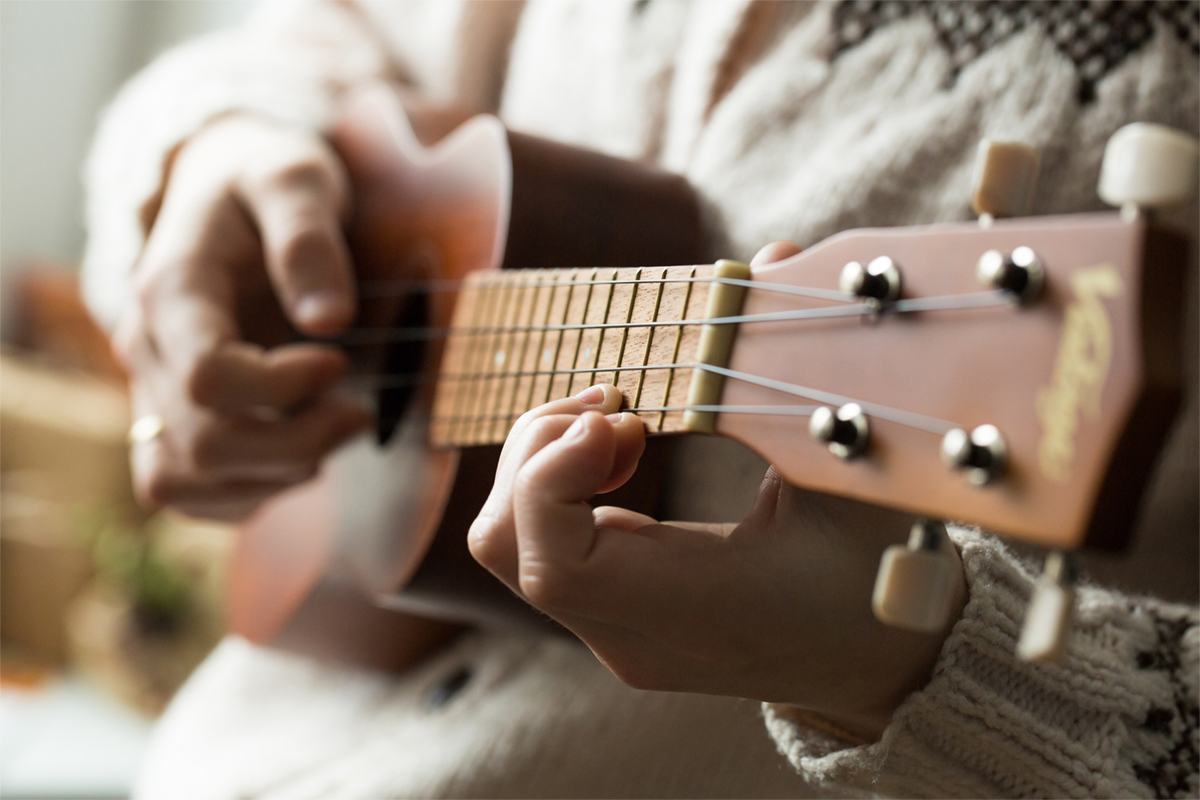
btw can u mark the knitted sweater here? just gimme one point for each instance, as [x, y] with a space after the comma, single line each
[792, 121]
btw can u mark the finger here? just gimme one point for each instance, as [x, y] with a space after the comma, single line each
[289, 449]
[554, 524]
[620, 518]
[775, 251]
[297, 209]
[604, 398]
[492, 538]
[186, 297]
[630, 434]
[240, 377]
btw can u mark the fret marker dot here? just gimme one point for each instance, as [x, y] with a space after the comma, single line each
[499, 359]
[547, 355]
[587, 353]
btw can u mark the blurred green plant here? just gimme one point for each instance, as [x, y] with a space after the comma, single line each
[126, 555]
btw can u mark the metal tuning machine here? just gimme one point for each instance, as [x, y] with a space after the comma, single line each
[981, 454]
[845, 431]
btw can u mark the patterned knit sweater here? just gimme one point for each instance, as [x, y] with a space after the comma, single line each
[792, 121]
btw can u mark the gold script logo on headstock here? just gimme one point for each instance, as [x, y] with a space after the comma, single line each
[1084, 356]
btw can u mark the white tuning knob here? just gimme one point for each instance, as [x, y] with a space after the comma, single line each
[1004, 179]
[1050, 613]
[1148, 165]
[916, 584]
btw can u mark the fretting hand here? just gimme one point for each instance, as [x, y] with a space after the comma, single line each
[775, 608]
[246, 248]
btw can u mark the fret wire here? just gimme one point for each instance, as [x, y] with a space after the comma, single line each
[470, 347]
[637, 397]
[481, 350]
[625, 331]
[378, 336]
[587, 305]
[562, 331]
[508, 346]
[504, 344]
[781, 288]
[524, 351]
[604, 316]
[683, 309]
[542, 339]
[492, 386]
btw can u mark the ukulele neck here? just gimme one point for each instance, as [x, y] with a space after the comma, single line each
[521, 338]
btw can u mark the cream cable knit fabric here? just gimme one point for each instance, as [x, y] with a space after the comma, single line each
[793, 121]
[1118, 718]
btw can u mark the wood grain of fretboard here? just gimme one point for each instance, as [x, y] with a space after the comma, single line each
[501, 360]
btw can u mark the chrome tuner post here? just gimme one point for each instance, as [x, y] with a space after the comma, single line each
[915, 586]
[1019, 273]
[878, 283]
[982, 453]
[845, 431]
[1004, 180]
[1051, 611]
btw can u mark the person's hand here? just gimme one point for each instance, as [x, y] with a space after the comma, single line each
[776, 608]
[246, 249]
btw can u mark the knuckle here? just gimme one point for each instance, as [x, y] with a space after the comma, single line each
[546, 585]
[307, 242]
[483, 541]
[155, 488]
[205, 448]
[638, 672]
[201, 380]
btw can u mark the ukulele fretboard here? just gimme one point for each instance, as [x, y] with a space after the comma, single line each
[521, 338]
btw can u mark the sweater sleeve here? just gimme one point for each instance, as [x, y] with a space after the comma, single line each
[287, 62]
[1117, 718]
[290, 61]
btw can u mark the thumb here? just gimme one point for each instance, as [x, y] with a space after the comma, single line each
[554, 523]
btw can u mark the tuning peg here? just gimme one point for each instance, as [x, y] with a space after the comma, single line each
[982, 453]
[845, 431]
[914, 588]
[1148, 166]
[1051, 611]
[1004, 179]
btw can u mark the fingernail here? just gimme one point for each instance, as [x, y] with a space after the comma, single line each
[575, 431]
[592, 396]
[615, 419]
[322, 307]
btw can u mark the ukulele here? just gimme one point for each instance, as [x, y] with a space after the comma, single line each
[1016, 374]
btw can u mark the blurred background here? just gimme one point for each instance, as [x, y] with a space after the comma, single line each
[103, 610]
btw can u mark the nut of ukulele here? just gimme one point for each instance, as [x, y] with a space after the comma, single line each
[1051, 611]
[914, 588]
[1004, 179]
[1148, 166]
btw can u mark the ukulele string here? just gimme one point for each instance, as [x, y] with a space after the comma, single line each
[899, 416]
[380, 336]
[764, 410]
[400, 287]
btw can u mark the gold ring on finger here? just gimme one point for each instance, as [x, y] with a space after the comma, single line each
[146, 429]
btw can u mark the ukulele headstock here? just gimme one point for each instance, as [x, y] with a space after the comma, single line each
[1019, 374]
